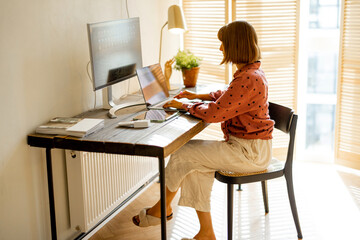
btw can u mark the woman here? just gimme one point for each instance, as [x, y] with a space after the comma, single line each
[243, 112]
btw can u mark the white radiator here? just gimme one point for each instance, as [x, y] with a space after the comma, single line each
[98, 183]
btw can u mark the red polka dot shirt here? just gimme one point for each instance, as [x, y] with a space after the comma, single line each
[242, 109]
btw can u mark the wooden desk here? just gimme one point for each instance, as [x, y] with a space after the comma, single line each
[159, 140]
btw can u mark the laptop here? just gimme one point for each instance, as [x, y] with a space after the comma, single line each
[156, 94]
[153, 87]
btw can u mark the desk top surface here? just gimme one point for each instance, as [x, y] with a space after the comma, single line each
[160, 139]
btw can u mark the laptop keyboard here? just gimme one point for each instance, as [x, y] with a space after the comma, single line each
[183, 100]
[160, 104]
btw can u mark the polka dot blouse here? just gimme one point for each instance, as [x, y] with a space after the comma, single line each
[242, 108]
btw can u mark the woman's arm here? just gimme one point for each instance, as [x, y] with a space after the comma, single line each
[191, 95]
[240, 97]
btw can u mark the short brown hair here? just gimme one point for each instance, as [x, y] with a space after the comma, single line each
[240, 43]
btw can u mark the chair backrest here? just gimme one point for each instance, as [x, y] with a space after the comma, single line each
[281, 115]
[285, 120]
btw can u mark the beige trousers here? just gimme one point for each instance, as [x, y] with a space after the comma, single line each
[193, 166]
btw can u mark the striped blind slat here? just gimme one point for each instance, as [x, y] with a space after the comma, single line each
[347, 147]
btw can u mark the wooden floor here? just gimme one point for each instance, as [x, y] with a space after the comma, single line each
[328, 199]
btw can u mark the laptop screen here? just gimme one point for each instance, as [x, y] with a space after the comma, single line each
[152, 84]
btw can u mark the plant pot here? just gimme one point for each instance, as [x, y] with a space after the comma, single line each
[190, 76]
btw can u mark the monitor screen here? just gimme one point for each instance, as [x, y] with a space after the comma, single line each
[115, 51]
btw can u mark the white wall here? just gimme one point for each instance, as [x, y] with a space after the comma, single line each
[43, 58]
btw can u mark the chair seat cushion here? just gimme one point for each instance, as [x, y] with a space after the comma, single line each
[274, 166]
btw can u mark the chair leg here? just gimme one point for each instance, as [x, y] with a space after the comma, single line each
[265, 196]
[239, 188]
[290, 188]
[230, 193]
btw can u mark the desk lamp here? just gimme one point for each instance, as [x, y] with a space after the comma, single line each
[176, 23]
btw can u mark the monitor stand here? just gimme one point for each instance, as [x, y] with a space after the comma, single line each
[115, 107]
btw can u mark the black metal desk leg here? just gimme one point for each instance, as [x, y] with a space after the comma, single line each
[51, 193]
[162, 197]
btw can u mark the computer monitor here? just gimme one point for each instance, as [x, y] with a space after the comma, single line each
[115, 51]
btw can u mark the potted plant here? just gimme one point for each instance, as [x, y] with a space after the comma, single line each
[189, 64]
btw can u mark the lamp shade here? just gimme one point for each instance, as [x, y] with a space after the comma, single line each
[176, 19]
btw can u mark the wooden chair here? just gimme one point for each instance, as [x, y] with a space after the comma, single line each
[285, 120]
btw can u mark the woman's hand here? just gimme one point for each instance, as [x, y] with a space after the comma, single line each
[174, 104]
[187, 94]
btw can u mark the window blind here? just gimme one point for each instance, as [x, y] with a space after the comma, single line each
[204, 18]
[276, 24]
[347, 146]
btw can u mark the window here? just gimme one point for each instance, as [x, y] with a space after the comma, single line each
[318, 81]
[324, 14]
[320, 127]
[322, 72]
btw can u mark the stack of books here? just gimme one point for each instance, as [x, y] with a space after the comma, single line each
[77, 127]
